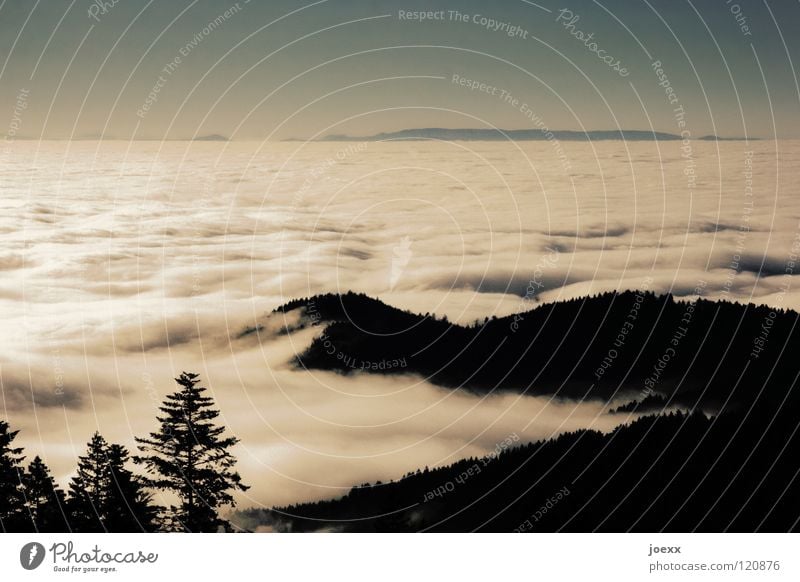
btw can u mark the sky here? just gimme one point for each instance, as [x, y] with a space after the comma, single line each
[258, 70]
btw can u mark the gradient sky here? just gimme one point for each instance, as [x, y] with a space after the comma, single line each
[281, 69]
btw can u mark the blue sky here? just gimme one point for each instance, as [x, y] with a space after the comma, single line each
[282, 69]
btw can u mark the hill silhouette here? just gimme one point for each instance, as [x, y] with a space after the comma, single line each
[484, 134]
[676, 472]
[650, 349]
[715, 452]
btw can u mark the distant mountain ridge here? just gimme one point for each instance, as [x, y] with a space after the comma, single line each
[211, 137]
[470, 134]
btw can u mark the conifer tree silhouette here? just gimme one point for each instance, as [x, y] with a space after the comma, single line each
[129, 505]
[189, 457]
[88, 489]
[105, 496]
[11, 498]
[44, 499]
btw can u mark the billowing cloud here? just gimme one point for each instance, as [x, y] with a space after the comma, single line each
[152, 262]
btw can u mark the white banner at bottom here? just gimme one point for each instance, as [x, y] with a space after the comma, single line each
[400, 557]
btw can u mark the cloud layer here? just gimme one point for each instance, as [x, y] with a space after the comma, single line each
[124, 264]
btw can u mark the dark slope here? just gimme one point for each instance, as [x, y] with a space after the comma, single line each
[735, 472]
[712, 354]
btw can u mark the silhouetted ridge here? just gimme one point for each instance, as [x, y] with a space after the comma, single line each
[358, 309]
[676, 472]
[491, 134]
[633, 344]
[652, 403]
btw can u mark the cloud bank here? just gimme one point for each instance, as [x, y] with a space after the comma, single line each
[124, 265]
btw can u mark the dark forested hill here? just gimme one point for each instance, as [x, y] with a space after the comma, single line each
[726, 462]
[675, 472]
[718, 355]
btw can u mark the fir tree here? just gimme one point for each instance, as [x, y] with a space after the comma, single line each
[105, 496]
[189, 457]
[12, 502]
[44, 500]
[129, 506]
[89, 488]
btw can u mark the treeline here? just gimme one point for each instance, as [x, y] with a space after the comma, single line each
[187, 457]
[676, 472]
[635, 342]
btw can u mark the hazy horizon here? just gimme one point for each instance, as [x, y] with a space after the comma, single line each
[163, 70]
[328, 137]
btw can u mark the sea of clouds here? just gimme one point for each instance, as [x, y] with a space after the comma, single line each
[124, 264]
